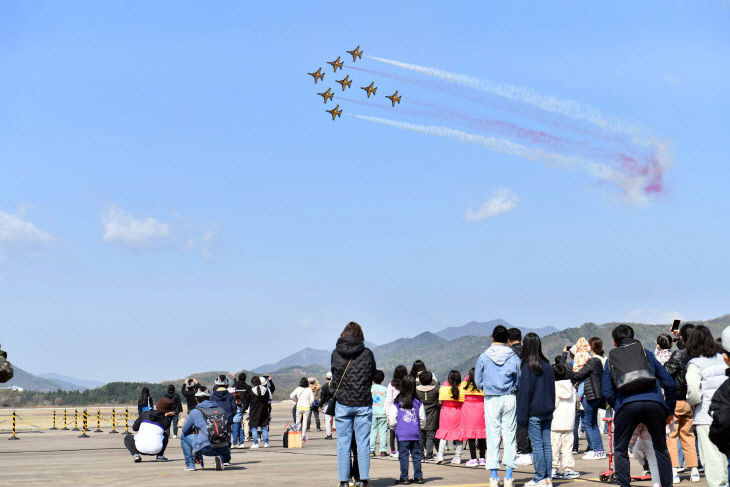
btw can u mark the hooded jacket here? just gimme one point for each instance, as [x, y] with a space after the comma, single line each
[429, 397]
[176, 403]
[152, 426]
[497, 372]
[196, 420]
[536, 395]
[354, 388]
[258, 400]
[225, 400]
[720, 412]
[677, 368]
[564, 415]
[243, 389]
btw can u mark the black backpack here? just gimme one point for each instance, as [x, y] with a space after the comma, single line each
[215, 422]
[630, 369]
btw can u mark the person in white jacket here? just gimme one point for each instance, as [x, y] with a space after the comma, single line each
[407, 416]
[304, 398]
[561, 429]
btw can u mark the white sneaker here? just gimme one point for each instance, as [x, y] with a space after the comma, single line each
[266, 445]
[532, 483]
[255, 445]
[439, 459]
[174, 437]
[676, 479]
[508, 482]
[591, 455]
[494, 482]
[570, 474]
[456, 461]
[599, 455]
[695, 475]
[524, 459]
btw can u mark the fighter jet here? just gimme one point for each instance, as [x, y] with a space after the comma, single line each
[369, 89]
[317, 75]
[335, 112]
[356, 53]
[327, 95]
[336, 63]
[394, 98]
[345, 82]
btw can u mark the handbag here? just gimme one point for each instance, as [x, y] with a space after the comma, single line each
[330, 411]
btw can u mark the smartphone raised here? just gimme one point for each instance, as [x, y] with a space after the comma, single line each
[675, 325]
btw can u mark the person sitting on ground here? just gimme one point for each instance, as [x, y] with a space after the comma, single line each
[176, 408]
[188, 390]
[153, 426]
[196, 438]
[224, 399]
[428, 394]
[720, 405]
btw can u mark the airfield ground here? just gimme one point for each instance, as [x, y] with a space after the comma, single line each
[61, 458]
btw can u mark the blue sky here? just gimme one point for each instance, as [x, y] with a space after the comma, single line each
[174, 198]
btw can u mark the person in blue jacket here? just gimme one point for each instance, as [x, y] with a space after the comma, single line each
[648, 407]
[194, 437]
[224, 399]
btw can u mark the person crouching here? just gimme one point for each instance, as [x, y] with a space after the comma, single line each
[197, 439]
[152, 426]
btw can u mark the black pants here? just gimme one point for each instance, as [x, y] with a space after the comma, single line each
[132, 446]
[576, 430]
[523, 441]
[427, 442]
[314, 411]
[653, 416]
[482, 442]
[393, 442]
[354, 466]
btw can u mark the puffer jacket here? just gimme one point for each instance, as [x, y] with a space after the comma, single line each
[705, 375]
[354, 390]
[591, 375]
[677, 368]
[720, 412]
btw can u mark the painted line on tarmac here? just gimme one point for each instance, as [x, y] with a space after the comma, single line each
[66, 450]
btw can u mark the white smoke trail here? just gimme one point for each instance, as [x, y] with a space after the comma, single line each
[632, 186]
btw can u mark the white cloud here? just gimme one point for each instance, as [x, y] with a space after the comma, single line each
[120, 226]
[652, 316]
[672, 80]
[17, 234]
[501, 201]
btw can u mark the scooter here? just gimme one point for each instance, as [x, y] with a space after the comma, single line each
[609, 476]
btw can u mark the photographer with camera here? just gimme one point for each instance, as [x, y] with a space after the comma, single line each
[188, 390]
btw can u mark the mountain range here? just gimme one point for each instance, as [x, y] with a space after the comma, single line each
[49, 382]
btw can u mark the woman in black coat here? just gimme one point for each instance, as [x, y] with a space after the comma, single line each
[353, 369]
[258, 413]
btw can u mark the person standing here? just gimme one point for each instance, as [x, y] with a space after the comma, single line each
[522, 439]
[145, 403]
[258, 417]
[176, 408]
[472, 420]
[325, 394]
[392, 391]
[497, 374]
[638, 405]
[428, 394]
[720, 405]
[561, 429]
[683, 429]
[407, 417]
[188, 389]
[303, 397]
[451, 398]
[705, 375]
[379, 428]
[240, 386]
[314, 411]
[588, 370]
[535, 406]
[353, 371]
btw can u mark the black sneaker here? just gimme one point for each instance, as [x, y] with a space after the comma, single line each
[137, 458]
[419, 481]
[344, 483]
[161, 458]
[218, 463]
[372, 453]
[402, 482]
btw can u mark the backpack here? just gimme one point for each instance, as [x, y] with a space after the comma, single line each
[630, 369]
[215, 422]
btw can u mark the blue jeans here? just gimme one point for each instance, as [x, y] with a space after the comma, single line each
[590, 424]
[542, 452]
[237, 437]
[175, 420]
[348, 419]
[414, 448]
[186, 442]
[264, 434]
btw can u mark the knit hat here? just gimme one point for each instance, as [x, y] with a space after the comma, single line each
[164, 405]
[726, 340]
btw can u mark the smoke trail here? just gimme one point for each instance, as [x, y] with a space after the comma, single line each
[630, 185]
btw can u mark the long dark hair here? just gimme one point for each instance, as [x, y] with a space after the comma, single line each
[454, 382]
[597, 346]
[532, 353]
[407, 392]
[144, 397]
[701, 343]
[470, 384]
[398, 374]
[352, 329]
[417, 367]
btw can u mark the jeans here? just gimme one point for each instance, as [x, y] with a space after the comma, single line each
[264, 435]
[186, 442]
[379, 428]
[349, 419]
[237, 436]
[427, 443]
[542, 450]
[590, 424]
[414, 448]
[653, 416]
[499, 416]
[175, 420]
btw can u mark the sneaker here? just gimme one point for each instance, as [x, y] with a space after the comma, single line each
[266, 445]
[226, 464]
[695, 475]
[137, 458]
[456, 461]
[344, 483]
[402, 482]
[218, 463]
[419, 481]
[161, 458]
[190, 469]
[591, 455]
[254, 446]
[524, 459]
[508, 482]
[393, 454]
[533, 483]
[680, 469]
[570, 474]
[676, 479]
[372, 453]
[555, 474]
[599, 455]
[439, 460]
[482, 462]
[384, 454]
[328, 437]
[174, 437]
[472, 463]
[494, 482]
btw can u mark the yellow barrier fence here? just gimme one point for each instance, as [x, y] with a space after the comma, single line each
[25, 420]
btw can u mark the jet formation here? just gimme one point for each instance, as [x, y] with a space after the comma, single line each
[346, 82]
